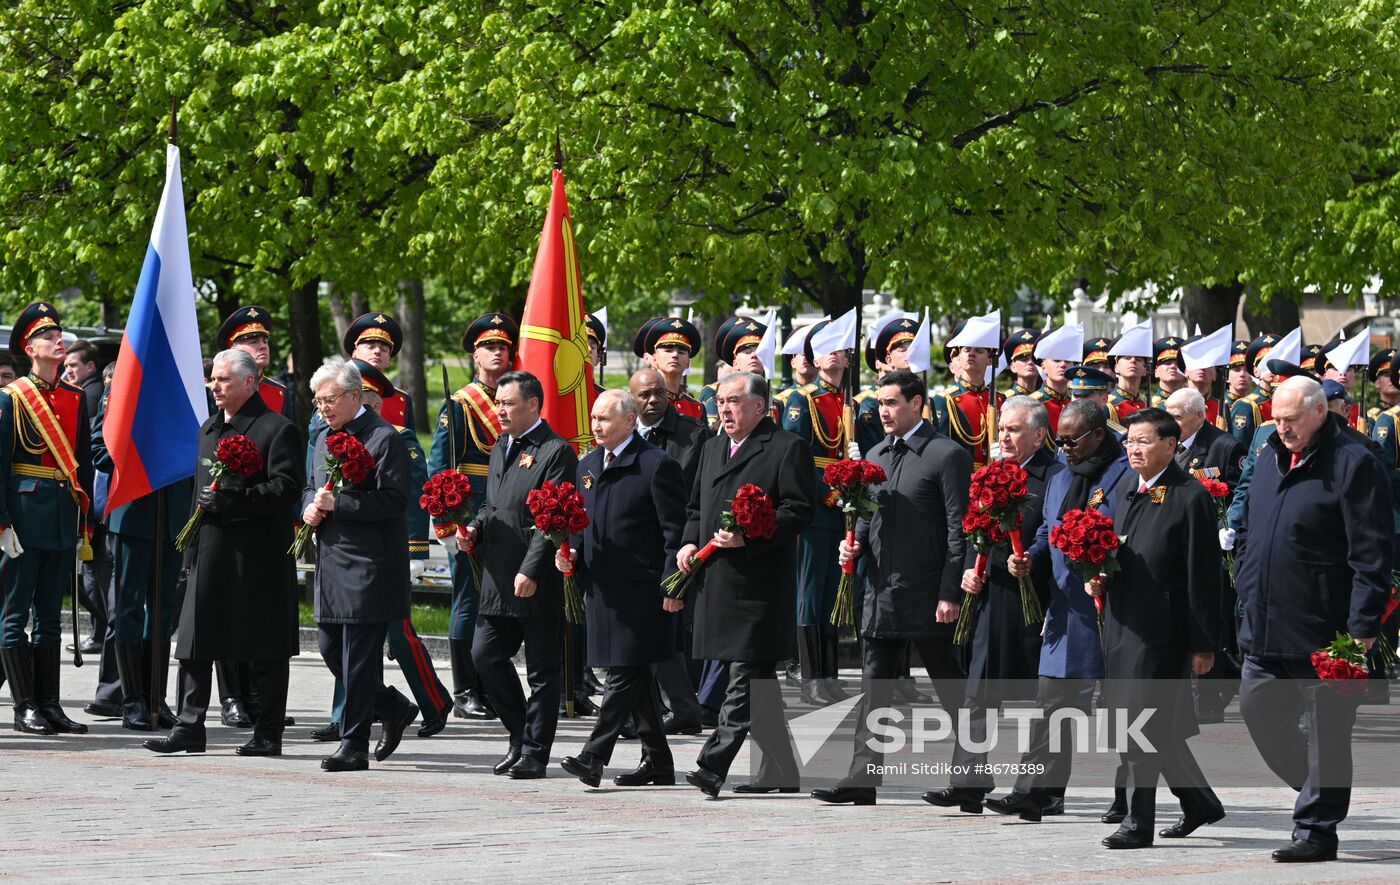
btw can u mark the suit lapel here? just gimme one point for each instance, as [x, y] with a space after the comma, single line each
[751, 447]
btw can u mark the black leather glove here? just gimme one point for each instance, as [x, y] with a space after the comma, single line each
[209, 500]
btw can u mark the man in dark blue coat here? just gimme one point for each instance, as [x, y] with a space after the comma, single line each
[636, 507]
[1071, 655]
[1314, 559]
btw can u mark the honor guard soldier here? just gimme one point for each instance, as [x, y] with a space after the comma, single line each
[1253, 409]
[597, 349]
[248, 328]
[46, 474]
[1053, 394]
[377, 338]
[404, 644]
[1343, 375]
[1307, 358]
[1203, 382]
[889, 352]
[816, 415]
[962, 413]
[1020, 355]
[1129, 372]
[803, 372]
[1092, 384]
[668, 344]
[1096, 355]
[1238, 381]
[1389, 395]
[736, 345]
[466, 432]
[1168, 367]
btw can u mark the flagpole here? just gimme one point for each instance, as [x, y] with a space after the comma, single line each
[568, 627]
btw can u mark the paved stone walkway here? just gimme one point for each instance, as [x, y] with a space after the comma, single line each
[99, 806]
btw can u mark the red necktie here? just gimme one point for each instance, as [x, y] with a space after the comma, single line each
[608, 459]
[1142, 486]
[1293, 462]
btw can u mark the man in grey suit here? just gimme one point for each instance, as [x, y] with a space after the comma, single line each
[361, 566]
[522, 594]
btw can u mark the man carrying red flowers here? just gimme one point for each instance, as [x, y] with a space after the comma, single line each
[1312, 560]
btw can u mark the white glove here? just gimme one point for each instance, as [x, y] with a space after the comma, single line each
[1227, 539]
[853, 450]
[995, 453]
[9, 543]
[415, 569]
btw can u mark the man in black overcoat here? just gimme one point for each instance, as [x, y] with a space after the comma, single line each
[1161, 624]
[660, 424]
[636, 510]
[914, 549]
[522, 593]
[240, 600]
[747, 612]
[1313, 559]
[361, 578]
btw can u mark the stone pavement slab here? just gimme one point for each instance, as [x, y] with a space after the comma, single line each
[99, 806]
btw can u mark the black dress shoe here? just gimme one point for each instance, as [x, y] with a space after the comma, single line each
[831, 688]
[845, 795]
[59, 720]
[583, 705]
[136, 715]
[709, 718]
[232, 714]
[965, 798]
[395, 724]
[176, 742]
[431, 727]
[511, 757]
[764, 788]
[1019, 804]
[346, 759]
[166, 720]
[590, 681]
[708, 782]
[1188, 825]
[90, 646]
[29, 720]
[104, 710]
[1053, 806]
[331, 732]
[814, 693]
[906, 691]
[527, 769]
[646, 773]
[674, 726]
[628, 731]
[585, 768]
[260, 747]
[1127, 839]
[471, 705]
[1115, 813]
[1303, 851]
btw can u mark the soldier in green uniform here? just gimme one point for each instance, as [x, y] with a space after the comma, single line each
[1130, 372]
[963, 413]
[816, 414]
[1238, 382]
[736, 348]
[466, 430]
[1020, 355]
[1378, 371]
[1250, 411]
[46, 477]
[1054, 393]
[1168, 368]
[887, 352]
[1092, 384]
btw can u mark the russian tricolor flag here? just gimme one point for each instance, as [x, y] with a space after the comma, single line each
[158, 400]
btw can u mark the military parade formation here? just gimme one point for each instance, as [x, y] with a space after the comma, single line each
[1209, 589]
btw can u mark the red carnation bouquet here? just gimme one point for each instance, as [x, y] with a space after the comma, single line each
[235, 458]
[751, 512]
[850, 482]
[993, 518]
[347, 461]
[447, 497]
[1220, 496]
[1087, 540]
[1342, 666]
[558, 512]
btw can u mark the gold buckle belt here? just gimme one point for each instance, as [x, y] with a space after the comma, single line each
[825, 462]
[472, 469]
[38, 472]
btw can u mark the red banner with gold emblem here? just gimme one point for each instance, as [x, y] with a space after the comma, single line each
[553, 332]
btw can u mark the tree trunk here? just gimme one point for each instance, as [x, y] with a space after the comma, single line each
[411, 357]
[1279, 316]
[709, 366]
[1211, 307]
[304, 316]
[340, 315]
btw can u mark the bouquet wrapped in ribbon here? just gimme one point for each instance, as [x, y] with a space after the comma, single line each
[558, 512]
[347, 461]
[751, 513]
[1220, 496]
[1342, 666]
[1087, 540]
[448, 497]
[850, 482]
[235, 459]
[993, 518]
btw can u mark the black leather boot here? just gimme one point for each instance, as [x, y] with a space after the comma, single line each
[166, 718]
[830, 669]
[46, 689]
[136, 714]
[19, 670]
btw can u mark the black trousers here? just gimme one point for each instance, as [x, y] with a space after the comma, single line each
[109, 686]
[673, 678]
[354, 653]
[882, 662]
[1274, 693]
[531, 722]
[753, 701]
[630, 691]
[97, 575]
[196, 679]
[1177, 765]
[1054, 766]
